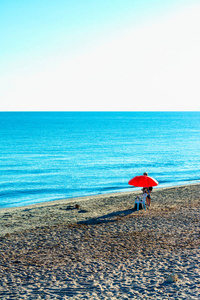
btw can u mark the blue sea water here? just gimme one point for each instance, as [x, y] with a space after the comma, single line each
[55, 155]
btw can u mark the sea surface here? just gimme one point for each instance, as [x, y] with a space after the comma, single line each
[55, 155]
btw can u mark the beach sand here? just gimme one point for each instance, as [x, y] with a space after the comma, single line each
[102, 248]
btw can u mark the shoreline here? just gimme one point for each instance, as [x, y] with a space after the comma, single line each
[15, 219]
[87, 197]
[126, 190]
[103, 249]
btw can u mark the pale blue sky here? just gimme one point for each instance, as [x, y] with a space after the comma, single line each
[99, 55]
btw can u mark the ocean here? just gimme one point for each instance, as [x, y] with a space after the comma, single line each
[57, 155]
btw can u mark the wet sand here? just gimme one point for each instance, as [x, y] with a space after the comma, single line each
[99, 247]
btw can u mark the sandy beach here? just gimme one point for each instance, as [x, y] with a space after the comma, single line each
[99, 247]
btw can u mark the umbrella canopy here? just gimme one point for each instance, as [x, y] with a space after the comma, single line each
[143, 181]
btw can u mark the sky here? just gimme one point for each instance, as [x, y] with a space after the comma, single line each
[108, 55]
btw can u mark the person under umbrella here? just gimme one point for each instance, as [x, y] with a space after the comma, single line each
[147, 191]
[146, 182]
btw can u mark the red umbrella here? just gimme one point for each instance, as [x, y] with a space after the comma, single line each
[143, 181]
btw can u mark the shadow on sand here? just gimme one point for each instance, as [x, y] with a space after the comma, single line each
[108, 218]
